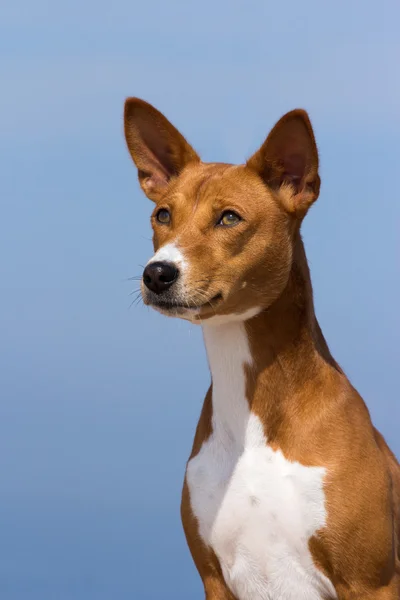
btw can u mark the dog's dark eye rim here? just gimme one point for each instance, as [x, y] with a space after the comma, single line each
[159, 216]
[237, 218]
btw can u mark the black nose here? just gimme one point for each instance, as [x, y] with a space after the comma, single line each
[159, 276]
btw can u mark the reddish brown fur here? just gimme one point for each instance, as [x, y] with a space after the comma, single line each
[309, 409]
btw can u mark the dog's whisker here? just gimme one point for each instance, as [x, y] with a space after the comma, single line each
[137, 300]
[139, 291]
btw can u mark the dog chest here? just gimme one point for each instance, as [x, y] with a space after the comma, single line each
[257, 511]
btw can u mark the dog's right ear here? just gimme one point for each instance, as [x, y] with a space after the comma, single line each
[159, 151]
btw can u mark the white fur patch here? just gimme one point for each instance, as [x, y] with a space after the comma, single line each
[233, 317]
[170, 253]
[256, 509]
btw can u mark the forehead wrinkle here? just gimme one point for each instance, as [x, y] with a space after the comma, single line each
[213, 173]
[210, 172]
[202, 183]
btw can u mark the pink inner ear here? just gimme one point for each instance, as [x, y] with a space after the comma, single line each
[153, 181]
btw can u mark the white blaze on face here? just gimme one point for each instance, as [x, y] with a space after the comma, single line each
[170, 253]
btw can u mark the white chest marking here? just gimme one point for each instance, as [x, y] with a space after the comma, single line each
[256, 509]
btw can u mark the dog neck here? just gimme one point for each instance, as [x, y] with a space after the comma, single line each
[276, 360]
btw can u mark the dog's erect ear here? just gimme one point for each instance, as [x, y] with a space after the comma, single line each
[288, 162]
[159, 151]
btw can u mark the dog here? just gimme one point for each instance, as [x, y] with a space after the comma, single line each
[290, 492]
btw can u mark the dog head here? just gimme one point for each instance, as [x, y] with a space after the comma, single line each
[223, 234]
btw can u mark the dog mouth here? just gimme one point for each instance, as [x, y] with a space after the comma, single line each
[171, 305]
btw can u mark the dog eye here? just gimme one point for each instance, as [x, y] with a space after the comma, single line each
[163, 216]
[229, 218]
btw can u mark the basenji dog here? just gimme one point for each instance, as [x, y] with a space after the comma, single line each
[290, 492]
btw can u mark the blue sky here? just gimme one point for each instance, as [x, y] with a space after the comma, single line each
[93, 442]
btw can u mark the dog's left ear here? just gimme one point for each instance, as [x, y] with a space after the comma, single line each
[288, 162]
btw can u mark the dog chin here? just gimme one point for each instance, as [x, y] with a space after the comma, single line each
[188, 314]
[176, 308]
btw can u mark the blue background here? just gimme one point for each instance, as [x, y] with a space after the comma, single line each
[98, 403]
